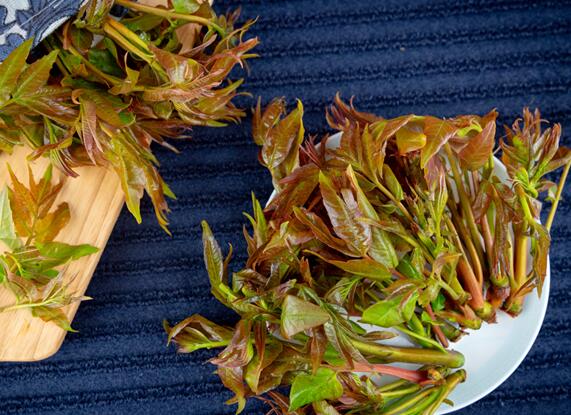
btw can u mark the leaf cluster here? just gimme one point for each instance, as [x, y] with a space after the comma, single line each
[291, 334]
[408, 225]
[31, 267]
[102, 90]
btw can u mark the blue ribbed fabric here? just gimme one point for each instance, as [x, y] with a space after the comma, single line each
[443, 57]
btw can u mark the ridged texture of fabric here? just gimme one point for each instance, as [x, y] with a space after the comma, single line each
[25, 19]
[444, 58]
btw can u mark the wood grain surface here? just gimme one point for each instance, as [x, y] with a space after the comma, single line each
[95, 199]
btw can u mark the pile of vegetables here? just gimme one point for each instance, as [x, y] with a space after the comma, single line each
[31, 266]
[102, 89]
[410, 225]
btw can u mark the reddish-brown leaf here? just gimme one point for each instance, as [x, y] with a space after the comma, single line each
[438, 132]
[344, 215]
[480, 148]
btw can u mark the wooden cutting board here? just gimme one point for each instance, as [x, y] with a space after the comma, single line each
[95, 199]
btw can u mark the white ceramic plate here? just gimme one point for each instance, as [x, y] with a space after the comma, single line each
[506, 343]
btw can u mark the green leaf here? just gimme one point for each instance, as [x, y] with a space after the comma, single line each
[143, 22]
[382, 249]
[63, 251]
[104, 60]
[11, 68]
[215, 263]
[391, 312]
[392, 183]
[7, 231]
[362, 200]
[81, 39]
[212, 255]
[406, 268]
[186, 6]
[324, 408]
[197, 332]
[364, 267]
[429, 293]
[259, 363]
[258, 222]
[332, 356]
[54, 315]
[307, 388]
[463, 132]
[299, 315]
[131, 174]
[35, 76]
[438, 302]
[163, 109]
[339, 293]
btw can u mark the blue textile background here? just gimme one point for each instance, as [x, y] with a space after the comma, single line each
[443, 57]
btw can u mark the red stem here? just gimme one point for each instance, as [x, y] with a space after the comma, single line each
[437, 329]
[415, 376]
[471, 284]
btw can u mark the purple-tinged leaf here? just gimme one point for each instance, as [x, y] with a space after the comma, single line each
[299, 315]
[344, 216]
[239, 351]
